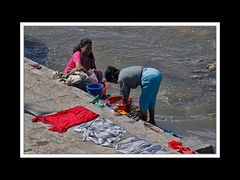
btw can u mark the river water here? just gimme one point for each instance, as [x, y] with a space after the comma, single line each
[186, 102]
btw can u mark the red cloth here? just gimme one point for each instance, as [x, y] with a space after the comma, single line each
[65, 119]
[180, 148]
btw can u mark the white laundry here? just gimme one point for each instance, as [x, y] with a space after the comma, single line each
[101, 131]
[139, 146]
[93, 78]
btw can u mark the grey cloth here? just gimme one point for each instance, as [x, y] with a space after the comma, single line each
[139, 146]
[101, 131]
[129, 78]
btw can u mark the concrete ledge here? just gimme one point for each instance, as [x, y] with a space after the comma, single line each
[44, 95]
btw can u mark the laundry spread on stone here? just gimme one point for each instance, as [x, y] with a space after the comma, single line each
[135, 145]
[101, 131]
[65, 119]
[178, 146]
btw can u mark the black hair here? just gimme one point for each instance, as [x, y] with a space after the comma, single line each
[83, 42]
[111, 72]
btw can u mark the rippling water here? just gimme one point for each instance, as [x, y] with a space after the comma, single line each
[185, 105]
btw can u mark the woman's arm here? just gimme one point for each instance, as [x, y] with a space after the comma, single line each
[79, 65]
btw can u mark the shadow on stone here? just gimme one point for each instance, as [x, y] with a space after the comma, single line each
[35, 49]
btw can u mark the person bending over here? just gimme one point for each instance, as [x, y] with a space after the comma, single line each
[130, 78]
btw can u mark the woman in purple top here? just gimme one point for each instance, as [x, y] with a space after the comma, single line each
[83, 57]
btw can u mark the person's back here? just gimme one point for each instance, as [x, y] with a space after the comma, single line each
[131, 75]
[129, 78]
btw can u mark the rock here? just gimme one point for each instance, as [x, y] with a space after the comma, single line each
[211, 67]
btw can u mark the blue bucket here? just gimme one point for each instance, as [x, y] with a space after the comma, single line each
[94, 89]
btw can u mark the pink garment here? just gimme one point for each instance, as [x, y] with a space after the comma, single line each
[77, 56]
[71, 63]
[65, 119]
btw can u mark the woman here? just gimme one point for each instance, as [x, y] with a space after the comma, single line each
[130, 78]
[83, 57]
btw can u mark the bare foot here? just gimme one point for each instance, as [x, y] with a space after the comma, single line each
[152, 122]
